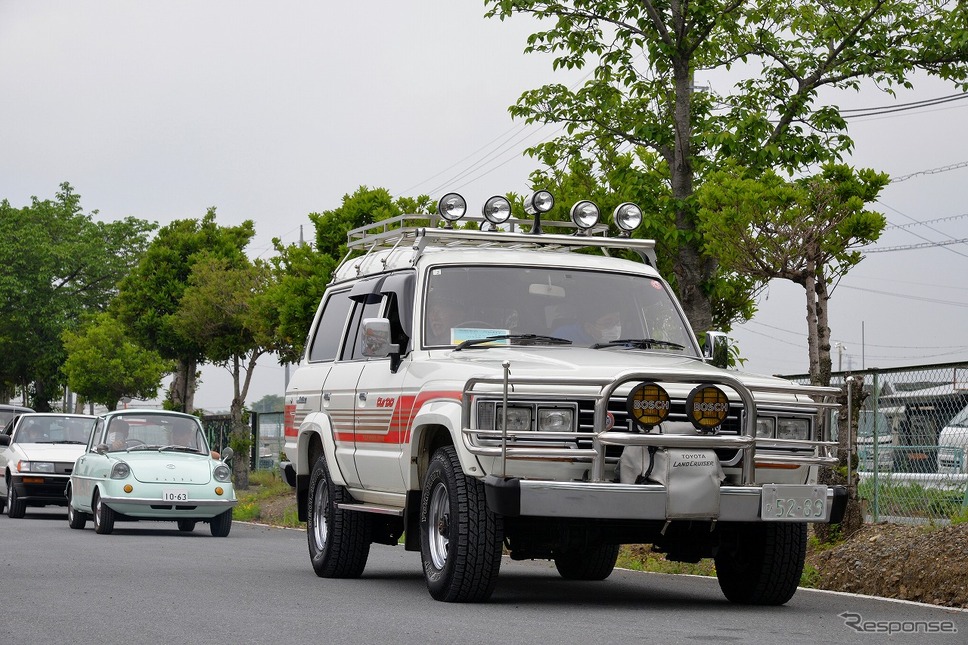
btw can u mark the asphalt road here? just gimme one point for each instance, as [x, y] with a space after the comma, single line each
[146, 583]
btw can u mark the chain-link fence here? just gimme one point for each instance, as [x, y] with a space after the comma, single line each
[912, 442]
[267, 436]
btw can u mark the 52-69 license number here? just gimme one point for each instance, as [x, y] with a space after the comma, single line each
[794, 503]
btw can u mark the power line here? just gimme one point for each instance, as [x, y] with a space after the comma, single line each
[932, 171]
[902, 107]
[926, 222]
[911, 247]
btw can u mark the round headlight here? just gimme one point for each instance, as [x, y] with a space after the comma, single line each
[648, 404]
[539, 202]
[497, 210]
[707, 407]
[452, 207]
[120, 470]
[627, 216]
[585, 214]
[222, 473]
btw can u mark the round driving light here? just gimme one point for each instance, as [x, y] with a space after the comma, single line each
[539, 202]
[452, 207]
[585, 214]
[707, 407]
[128, 488]
[627, 216]
[497, 210]
[218, 490]
[648, 404]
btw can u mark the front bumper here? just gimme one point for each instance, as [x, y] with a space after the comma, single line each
[514, 497]
[40, 488]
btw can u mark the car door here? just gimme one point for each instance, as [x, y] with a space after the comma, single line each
[83, 475]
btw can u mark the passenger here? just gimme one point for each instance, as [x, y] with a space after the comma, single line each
[600, 328]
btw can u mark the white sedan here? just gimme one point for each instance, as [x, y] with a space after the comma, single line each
[37, 455]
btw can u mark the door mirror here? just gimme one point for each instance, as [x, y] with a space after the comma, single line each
[375, 338]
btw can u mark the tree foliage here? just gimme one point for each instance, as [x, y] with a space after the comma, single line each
[806, 231]
[645, 59]
[103, 364]
[150, 295]
[58, 264]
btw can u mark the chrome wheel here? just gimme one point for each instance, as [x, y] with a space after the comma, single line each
[438, 525]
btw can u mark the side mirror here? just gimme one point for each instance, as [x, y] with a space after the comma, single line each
[101, 448]
[228, 454]
[375, 338]
[4, 440]
[715, 349]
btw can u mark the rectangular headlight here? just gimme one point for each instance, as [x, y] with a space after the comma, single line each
[793, 429]
[490, 415]
[35, 467]
[556, 420]
[765, 427]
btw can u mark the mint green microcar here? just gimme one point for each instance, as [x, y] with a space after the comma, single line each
[151, 465]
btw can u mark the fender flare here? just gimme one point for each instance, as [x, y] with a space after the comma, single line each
[317, 424]
[444, 412]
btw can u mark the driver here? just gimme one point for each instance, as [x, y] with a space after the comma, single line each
[443, 314]
[118, 434]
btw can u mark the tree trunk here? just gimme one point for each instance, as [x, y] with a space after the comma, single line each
[823, 333]
[182, 392]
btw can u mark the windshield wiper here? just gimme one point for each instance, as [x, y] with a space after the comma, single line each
[638, 343]
[179, 449]
[522, 339]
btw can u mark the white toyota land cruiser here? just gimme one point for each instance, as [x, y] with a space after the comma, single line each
[492, 389]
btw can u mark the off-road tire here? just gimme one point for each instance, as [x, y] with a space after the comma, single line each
[186, 526]
[221, 524]
[103, 516]
[339, 541]
[16, 507]
[75, 519]
[591, 564]
[764, 564]
[460, 538]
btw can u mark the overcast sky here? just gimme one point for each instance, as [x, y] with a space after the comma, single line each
[273, 110]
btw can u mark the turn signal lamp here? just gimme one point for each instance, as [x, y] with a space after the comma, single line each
[497, 210]
[452, 207]
[128, 488]
[627, 217]
[585, 214]
[218, 490]
[707, 407]
[648, 404]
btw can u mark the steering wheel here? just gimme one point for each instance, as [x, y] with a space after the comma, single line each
[136, 442]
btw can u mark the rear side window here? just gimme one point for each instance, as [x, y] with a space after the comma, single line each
[329, 332]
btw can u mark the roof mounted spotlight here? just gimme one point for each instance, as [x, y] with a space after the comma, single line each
[538, 202]
[451, 207]
[585, 215]
[628, 217]
[497, 210]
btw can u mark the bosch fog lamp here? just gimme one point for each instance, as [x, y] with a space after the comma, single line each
[452, 207]
[35, 466]
[648, 404]
[793, 429]
[539, 202]
[120, 470]
[555, 420]
[222, 473]
[707, 407]
[497, 210]
[627, 217]
[765, 427]
[585, 214]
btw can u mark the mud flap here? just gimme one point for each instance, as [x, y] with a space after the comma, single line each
[692, 478]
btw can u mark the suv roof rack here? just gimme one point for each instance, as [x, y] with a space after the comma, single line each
[419, 231]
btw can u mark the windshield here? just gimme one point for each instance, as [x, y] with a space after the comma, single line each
[54, 429]
[154, 432]
[581, 306]
[960, 420]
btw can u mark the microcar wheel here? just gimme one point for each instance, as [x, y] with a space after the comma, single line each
[103, 516]
[590, 564]
[221, 524]
[75, 519]
[339, 540]
[461, 538]
[186, 526]
[762, 562]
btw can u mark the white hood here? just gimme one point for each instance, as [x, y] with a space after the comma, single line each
[57, 452]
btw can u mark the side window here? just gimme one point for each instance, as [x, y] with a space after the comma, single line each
[369, 310]
[329, 332]
[96, 435]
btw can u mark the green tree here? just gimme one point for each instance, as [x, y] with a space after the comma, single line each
[150, 295]
[104, 365]
[58, 264]
[806, 231]
[641, 93]
[270, 403]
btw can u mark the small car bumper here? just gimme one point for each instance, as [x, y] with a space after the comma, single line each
[514, 497]
[41, 489]
[148, 501]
